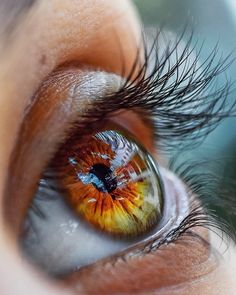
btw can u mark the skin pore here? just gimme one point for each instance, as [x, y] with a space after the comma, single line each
[91, 33]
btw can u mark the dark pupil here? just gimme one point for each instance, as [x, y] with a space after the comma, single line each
[104, 180]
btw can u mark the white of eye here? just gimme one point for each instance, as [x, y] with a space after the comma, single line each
[60, 242]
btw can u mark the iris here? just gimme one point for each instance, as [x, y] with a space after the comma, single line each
[112, 182]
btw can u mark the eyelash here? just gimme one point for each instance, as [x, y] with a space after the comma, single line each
[163, 103]
[166, 104]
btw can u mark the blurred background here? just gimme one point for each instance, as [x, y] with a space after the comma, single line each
[212, 21]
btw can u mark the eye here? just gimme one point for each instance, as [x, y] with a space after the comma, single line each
[104, 189]
[94, 180]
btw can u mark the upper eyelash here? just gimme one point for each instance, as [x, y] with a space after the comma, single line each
[152, 96]
[172, 107]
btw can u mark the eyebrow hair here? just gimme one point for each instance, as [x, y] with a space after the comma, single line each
[11, 13]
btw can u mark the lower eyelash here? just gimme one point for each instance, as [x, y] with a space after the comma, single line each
[201, 212]
[214, 196]
[205, 186]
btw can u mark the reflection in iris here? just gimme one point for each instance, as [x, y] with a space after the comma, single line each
[112, 182]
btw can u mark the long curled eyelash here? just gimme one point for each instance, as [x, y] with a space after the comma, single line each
[181, 98]
[183, 103]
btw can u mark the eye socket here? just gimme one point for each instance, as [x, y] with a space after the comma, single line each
[109, 181]
[81, 99]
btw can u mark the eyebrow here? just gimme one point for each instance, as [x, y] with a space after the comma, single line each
[12, 12]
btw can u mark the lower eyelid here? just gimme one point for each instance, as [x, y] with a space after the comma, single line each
[180, 262]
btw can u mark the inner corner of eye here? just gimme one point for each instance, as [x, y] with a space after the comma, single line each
[104, 190]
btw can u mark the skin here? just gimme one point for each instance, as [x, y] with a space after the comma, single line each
[91, 33]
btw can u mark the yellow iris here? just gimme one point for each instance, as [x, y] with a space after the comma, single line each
[111, 183]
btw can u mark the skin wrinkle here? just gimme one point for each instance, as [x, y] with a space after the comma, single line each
[49, 36]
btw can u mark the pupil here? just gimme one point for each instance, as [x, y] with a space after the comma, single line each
[104, 181]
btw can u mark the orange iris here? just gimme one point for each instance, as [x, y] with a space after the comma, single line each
[112, 183]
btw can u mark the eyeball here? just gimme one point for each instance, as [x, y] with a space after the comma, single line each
[112, 183]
